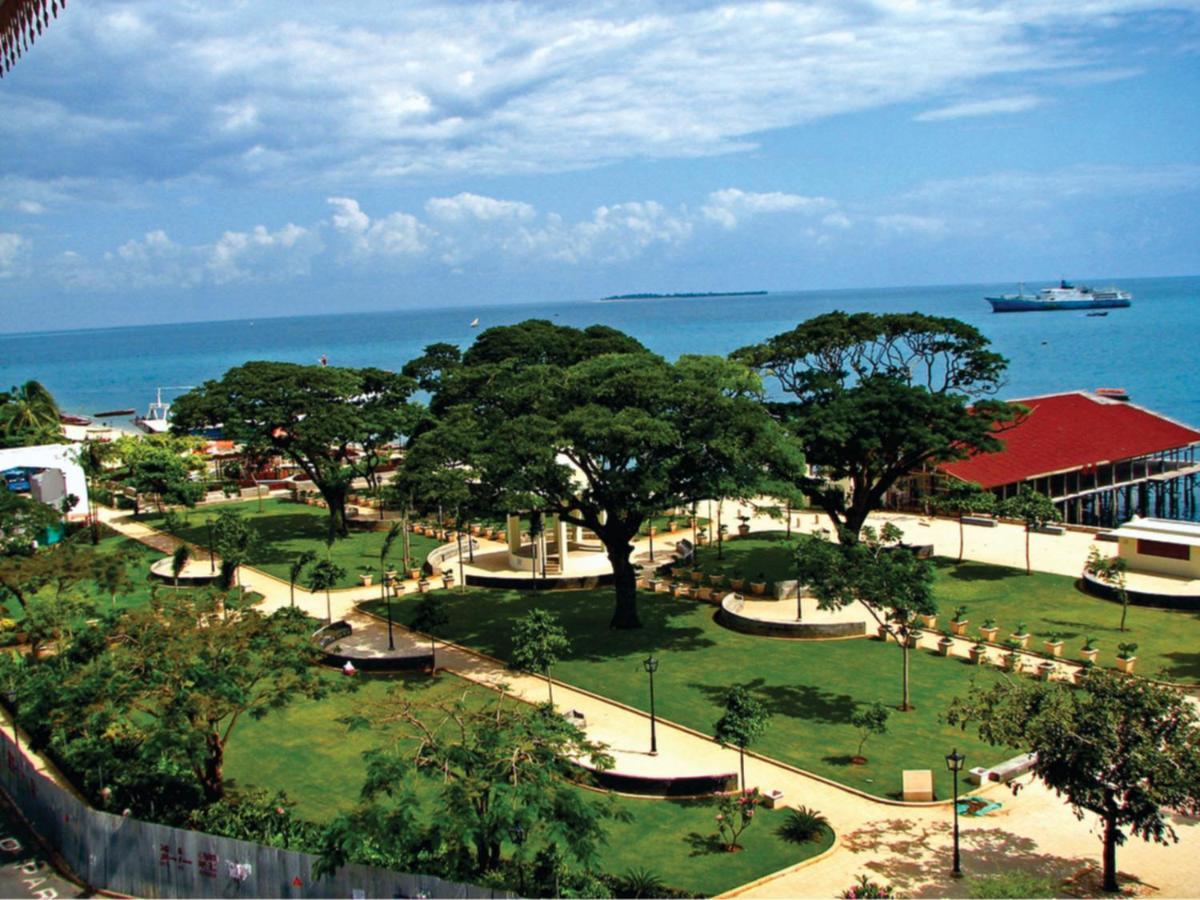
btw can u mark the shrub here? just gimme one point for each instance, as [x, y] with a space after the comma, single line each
[865, 889]
[803, 825]
[1090, 643]
[1126, 650]
[1011, 884]
[960, 613]
[639, 882]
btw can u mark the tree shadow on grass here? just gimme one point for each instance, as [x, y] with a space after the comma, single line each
[704, 844]
[973, 571]
[797, 701]
[844, 760]
[1185, 666]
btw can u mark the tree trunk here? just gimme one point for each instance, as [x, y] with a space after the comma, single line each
[213, 780]
[905, 706]
[335, 499]
[960, 537]
[1028, 566]
[625, 584]
[1110, 853]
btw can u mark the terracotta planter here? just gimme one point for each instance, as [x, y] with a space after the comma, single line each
[1125, 664]
[1054, 648]
[743, 530]
[883, 634]
[651, 531]
[414, 574]
[977, 655]
[737, 583]
[944, 646]
[1008, 661]
[1089, 655]
[715, 580]
[929, 622]
[959, 628]
[758, 588]
[1046, 670]
[672, 527]
[476, 529]
[704, 593]
[989, 634]
[366, 580]
[1022, 639]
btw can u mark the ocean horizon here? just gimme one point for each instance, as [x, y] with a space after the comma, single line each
[1148, 349]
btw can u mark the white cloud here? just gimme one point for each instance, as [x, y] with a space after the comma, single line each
[14, 253]
[906, 224]
[973, 108]
[262, 254]
[269, 92]
[730, 206]
[473, 206]
[395, 235]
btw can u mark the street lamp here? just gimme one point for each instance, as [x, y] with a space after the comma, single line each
[389, 590]
[650, 531]
[651, 666]
[212, 566]
[954, 762]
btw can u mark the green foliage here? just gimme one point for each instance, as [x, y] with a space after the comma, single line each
[329, 421]
[1033, 508]
[29, 415]
[1014, 884]
[1119, 747]
[640, 882]
[865, 889]
[500, 770]
[869, 720]
[735, 813]
[430, 613]
[258, 816]
[744, 719]
[163, 466]
[1126, 650]
[960, 614]
[803, 825]
[879, 396]
[234, 540]
[538, 642]
[1113, 571]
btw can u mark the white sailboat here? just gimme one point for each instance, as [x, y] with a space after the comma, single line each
[475, 323]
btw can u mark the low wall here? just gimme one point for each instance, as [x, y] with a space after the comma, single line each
[141, 859]
[684, 787]
[730, 615]
[1140, 598]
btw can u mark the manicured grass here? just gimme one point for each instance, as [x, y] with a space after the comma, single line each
[811, 688]
[286, 529]
[303, 749]
[1167, 638]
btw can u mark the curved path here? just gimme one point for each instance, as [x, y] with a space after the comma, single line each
[907, 845]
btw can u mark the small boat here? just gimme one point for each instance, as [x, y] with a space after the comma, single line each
[1096, 315]
[114, 413]
[1113, 394]
[68, 419]
[1065, 296]
[475, 323]
[157, 419]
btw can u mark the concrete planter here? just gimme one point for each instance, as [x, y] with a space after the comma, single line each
[366, 580]
[758, 587]
[929, 622]
[1045, 670]
[1022, 639]
[1125, 664]
[944, 646]
[1089, 655]
[989, 634]
[959, 628]
[977, 655]
[1054, 648]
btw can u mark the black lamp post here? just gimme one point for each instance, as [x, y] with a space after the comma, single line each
[212, 565]
[651, 666]
[954, 762]
[650, 531]
[389, 591]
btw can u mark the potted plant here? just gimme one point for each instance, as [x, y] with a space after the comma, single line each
[978, 652]
[423, 585]
[736, 581]
[715, 578]
[703, 592]
[988, 629]
[1126, 657]
[683, 573]
[1084, 670]
[1054, 644]
[672, 527]
[415, 573]
[652, 583]
[759, 585]
[929, 621]
[702, 537]
[945, 643]
[1021, 635]
[958, 624]
[476, 530]
[744, 527]
[366, 575]
[698, 576]
[913, 638]
[724, 529]
[1011, 655]
[1089, 651]
[448, 577]
[651, 531]
[1046, 669]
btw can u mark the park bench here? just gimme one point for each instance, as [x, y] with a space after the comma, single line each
[918, 785]
[985, 521]
[1005, 771]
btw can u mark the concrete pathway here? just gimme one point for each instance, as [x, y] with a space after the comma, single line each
[906, 845]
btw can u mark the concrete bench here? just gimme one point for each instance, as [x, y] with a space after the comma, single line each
[985, 521]
[576, 718]
[1051, 529]
[1012, 768]
[918, 785]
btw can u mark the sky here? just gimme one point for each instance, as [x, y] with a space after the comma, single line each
[201, 160]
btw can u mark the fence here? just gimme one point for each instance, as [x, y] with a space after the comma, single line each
[129, 856]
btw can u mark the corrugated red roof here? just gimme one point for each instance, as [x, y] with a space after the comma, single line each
[1069, 431]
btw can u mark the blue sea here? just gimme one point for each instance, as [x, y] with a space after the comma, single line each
[1149, 349]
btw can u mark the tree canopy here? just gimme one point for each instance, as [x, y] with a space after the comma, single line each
[29, 415]
[876, 397]
[589, 426]
[1122, 748]
[327, 420]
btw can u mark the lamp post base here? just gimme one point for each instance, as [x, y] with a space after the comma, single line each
[957, 873]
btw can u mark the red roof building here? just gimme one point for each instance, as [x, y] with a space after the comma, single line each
[1101, 459]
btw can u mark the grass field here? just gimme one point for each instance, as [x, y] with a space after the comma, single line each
[305, 751]
[811, 688]
[1167, 639]
[286, 529]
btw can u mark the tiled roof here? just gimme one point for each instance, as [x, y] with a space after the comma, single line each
[1071, 431]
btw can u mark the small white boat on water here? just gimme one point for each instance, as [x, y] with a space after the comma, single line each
[474, 323]
[157, 419]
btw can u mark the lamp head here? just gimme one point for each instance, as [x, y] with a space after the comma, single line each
[955, 760]
[650, 664]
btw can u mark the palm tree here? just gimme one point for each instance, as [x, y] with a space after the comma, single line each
[298, 565]
[397, 530]
[92, 457]
[179, 560]
[324, 575]
[30, 415]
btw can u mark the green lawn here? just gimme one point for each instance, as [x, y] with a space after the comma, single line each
[810, 687]
[305, 751]
[286, 529]
[1167, 639]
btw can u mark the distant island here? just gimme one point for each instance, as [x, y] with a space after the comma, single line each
[686, 295]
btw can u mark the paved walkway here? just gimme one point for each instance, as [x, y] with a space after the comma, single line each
[905, 845]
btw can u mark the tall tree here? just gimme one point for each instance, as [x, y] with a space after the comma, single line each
[1034, 509]
[501, 773]
[743, 722]
[890, 582]
[234, 540]
[29, 415]
[879, 396]
[1112, 570]
[538, 642]
[591, 427]
[964, 498]
[163, 466]
[322, 577]
[1122, 748]
[319, 417]
[303, 560]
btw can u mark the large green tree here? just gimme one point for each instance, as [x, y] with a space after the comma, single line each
[165, 467]
[877, 397]
[29, 415]
[1034, 509]
[1121, 748]
[329, 421]
[890, 582]
[589, 426]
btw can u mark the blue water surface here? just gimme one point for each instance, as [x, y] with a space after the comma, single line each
[1150, 349]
